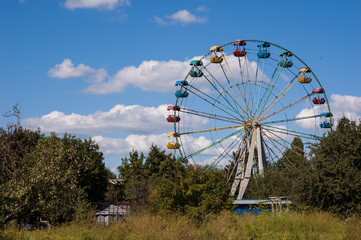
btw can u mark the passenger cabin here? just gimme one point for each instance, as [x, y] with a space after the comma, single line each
[286, 54]
[286, 63]
[326, 114]
[171, 118]
[318, 90]
[239, 52]
[263, 50]
[325, 125]
[216, 49]
[171, 145]
[173, 107]
[215, 59]
[318, 100]
[180, 94]
[304, 79]
[196, 63]
[239, 43]
[304, 70]
[181, 83]
[196, 73]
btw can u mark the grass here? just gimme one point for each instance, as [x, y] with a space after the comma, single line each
[291, 225]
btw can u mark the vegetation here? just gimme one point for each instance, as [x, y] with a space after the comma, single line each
[47, 176]
[57, 177]
[292, 225]
[166, 185]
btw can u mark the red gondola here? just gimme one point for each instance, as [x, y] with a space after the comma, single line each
[174, 108]
[171, 118]
[318, 90]
[239, 53]
[318, 100]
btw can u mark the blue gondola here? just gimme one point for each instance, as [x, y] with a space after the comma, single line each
[326, 114]
[181, 94]
[196, 73]
[263, 50]
[196, 63]
[286, 63]
[181, 83]
[325, 124]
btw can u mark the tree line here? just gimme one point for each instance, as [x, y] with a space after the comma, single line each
[58, 177]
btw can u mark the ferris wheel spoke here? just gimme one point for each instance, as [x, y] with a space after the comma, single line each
[286, 107]
[293, 119]
[218, 105]
[269, 84]
[249, 84]
[226, 151]
[278, 97]
[210, 115]
[213, 144]
[244, 99]
[209, 130]
[287, 142]
[291, 132]
[288, 167]
[235, 100]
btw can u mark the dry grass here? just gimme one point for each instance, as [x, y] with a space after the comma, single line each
[290, 225]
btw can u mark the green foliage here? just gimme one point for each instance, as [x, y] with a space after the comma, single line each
[334, 183]
[167, 185]
[48, 176]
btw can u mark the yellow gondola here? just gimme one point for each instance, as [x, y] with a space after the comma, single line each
[305, 70]
[216, 49]
[215, 59]
[304, 79]
[171, 145]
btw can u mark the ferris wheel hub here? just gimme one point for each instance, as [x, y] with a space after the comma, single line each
[256, 123]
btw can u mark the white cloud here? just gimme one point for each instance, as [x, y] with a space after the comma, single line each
[132, 119]
[149, 76]
[100, 4]
[119, 146]
[66, 69]
[182, 17]
[202, 9]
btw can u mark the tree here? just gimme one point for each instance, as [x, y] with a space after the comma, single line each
[168, 185]
[47, 176]
[334, 183]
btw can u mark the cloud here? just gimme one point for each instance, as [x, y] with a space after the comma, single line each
[66, 69]
[149, 76]
[202, 9]
[140, 142]
[182, 17]
[130, 119]
[340, 105]
[133, 119]
[99, 4]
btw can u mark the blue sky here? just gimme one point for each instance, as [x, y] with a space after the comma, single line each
[104, 68]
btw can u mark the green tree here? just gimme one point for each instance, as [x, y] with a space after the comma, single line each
[168, 185]
[47, 176]
[334, 183]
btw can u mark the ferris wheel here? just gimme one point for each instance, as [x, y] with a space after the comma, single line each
[243, 103]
